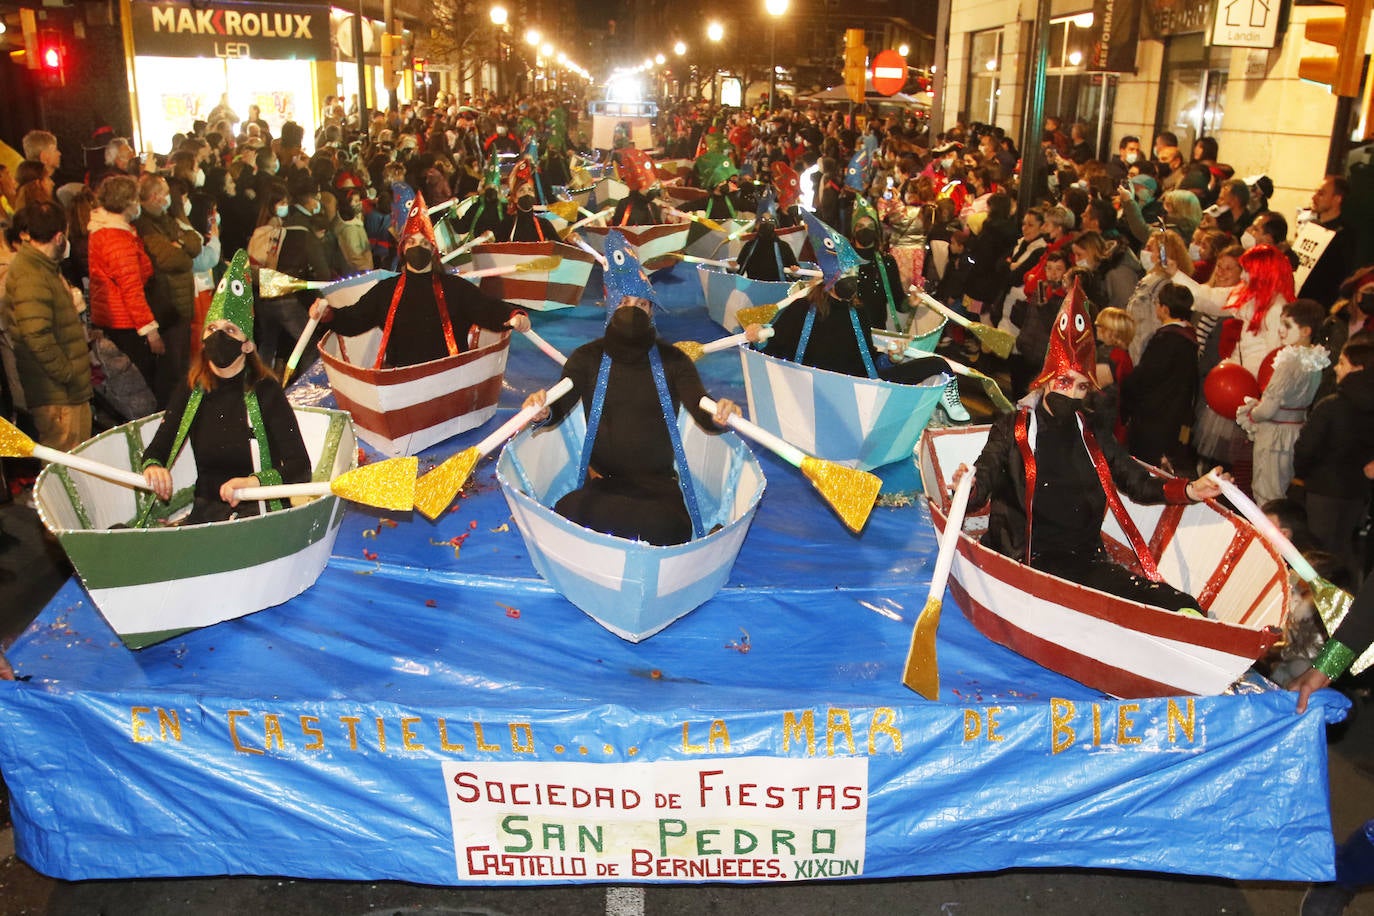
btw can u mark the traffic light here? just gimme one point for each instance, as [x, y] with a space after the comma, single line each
[52, 59]
[856, 63]
[1344, 30]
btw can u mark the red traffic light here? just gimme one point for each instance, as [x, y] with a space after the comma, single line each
[52, 58]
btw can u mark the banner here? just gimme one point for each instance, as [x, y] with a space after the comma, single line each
[266, 31]
[1116, 33]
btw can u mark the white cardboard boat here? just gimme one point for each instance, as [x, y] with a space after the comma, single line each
[156, 583]
[654, 243]
[1120, 647]
[727, 292]
[858, 422]
[631, 588]
[540, 290]
[405, 410]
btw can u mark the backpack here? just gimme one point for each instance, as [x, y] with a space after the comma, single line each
[264, 245]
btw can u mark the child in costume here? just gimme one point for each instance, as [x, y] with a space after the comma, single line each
[1274, 420]
[424, 312]
[634, 482]
[233, 413]
[1051, 481]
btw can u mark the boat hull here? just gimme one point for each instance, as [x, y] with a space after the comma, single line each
[405, 410]
[630, 588]
[538, 290]
[858, 422]
[156, 583]
[726, 293]
[1121, 647]
[653, 243]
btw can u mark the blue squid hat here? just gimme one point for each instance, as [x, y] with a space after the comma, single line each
[624, 274]
[835, 256]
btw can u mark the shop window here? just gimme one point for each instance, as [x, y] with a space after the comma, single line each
[1071, 93]
[1194, 97]
[985, 75]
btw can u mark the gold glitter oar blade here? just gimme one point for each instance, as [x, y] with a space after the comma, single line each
[435, 490]
[851, 493]
[757, 314]
[694, 350]
[387, 484]
[922, 672]
[273, 284]
[13, 442]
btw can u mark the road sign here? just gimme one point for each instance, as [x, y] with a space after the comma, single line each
[889, 72]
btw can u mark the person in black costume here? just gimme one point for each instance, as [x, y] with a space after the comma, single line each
[765, 256]
[639, 207]
[425, 312]
[632, 490]
[523, 224]
[229, 401]
[1051, 481]
[880, 282]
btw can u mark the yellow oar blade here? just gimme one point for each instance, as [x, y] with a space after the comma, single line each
[550, 262]
[922, 671]
[997, 342]
[436, 490]
[850, 492]
[565, 210]
[694, 350]
[387, 484]
[13, 442]
[758, 314]
[273, 284]
[993, 390]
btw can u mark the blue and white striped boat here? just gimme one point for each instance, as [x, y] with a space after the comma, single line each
[631, 588]
[726, 293]
[858, 422]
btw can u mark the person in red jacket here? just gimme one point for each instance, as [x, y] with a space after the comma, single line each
[119, 270]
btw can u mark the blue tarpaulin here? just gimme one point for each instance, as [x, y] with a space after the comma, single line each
[432, 711]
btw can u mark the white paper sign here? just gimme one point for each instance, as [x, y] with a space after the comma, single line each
[733, 819]
[1308, 246]
[1246, 23]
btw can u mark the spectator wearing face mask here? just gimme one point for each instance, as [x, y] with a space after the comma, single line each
[172, 247]
[1139, 207]
[1127, 155]
[303, 256]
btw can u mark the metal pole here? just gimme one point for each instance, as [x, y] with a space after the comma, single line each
[772, 62]
[1032, 161]
[940, 79]
[386, 23]
[362, 69]
[1340, 136]
[1102, 114]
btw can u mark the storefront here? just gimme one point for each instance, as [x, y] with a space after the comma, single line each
[183, 58]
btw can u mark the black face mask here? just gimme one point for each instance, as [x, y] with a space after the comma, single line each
[767, 231]
[418, 257]
[1061, 405]
[221, 349]
[632, 325]
[652, 194]
[524, 203]
[845, 288]
[867, 237]
[491, 195]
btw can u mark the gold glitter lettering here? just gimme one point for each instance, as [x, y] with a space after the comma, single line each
[444, 743]
[803, 730]
[352, 723]
[1097, 725]
[271, 732]
[136, 714]
[522, 738]
[1124, 723]
[1186, 721]
[381, 733]
[836, 725]
[234, 716]
[1061, 727]
[884, 723]
[687, 746]
[718, 733]
[310, 728]
[973, 724]
[408, 734]
[481, 739]
[993, 723]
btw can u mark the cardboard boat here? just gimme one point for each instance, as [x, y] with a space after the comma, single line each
[631, 588]
[705, 242]
[542, 290]
[930, 324]
[1120, 647]
[727, 292]
[654, 243]
[858, 422]
[156, 583]
[405, 410]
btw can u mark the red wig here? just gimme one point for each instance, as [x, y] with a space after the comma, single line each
[1270, 274]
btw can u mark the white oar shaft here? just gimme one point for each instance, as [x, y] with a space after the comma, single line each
[734, 340]
[489, 272]
[484, 237]
[285, 490]
[783, 449]
[301, 344]
[549, 349]
[804, 272]
[1255, 516]
[521, 418]
[94, 468]
[954, 524]
[443, 206]
[940, 307]
[581, 243]
[694, 259]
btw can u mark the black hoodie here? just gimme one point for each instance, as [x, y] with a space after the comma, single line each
[1338, 440]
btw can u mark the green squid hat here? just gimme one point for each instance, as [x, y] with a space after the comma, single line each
[864, 210]
[233, 299]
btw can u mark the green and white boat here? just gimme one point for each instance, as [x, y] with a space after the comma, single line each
[155, 583]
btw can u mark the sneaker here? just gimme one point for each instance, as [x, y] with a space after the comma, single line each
[954, 408]
[1325, 900]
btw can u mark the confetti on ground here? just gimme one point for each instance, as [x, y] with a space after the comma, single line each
[898, 500]
[656, 674]
[386, 523]
[473, 524]
[369, 532]
[741, 645]
[369, 554]
[502, 529]
[430, 602]
[511, 612]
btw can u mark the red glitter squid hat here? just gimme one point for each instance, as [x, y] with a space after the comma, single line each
[788, 184]
[637, 170]
[1073, 345]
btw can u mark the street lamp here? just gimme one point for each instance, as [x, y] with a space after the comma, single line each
[904, 50]
[680, 48]
[498, 15]
[777, 9]
[715, 31]
[532, 37]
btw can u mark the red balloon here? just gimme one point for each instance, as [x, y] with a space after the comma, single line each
[1266, 369]
[1226, 388]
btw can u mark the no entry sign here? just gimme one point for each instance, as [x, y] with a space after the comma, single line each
[889, 72]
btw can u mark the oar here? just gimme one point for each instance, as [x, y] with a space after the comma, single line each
[922, 671]
[547, 263]
[762, 314]
[590, 218]
[997, 342]
[742, 230]
[990, 387]
[435, 490]
[696, 351]
[486, 236]
[694, 259]
[802, 271]
[273, 284]
[383, 484]
[696, 218]
[849, 492]
[388, 484]
[549, 349]
[582, 243]
[298, 350]
[1332, 602]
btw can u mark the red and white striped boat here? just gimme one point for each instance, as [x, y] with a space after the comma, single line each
[405, 410]
[541, 290]
[654, 243]
[1117, 646]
